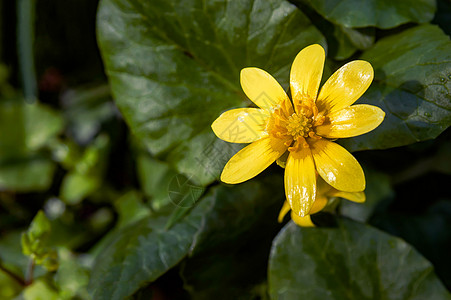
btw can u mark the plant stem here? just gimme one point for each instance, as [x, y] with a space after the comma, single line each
[29, 275]
[12, 275]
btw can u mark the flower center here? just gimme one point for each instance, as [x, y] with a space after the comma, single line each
[299, 125]
[294, 126]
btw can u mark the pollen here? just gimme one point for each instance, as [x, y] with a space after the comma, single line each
[299, 126]
[295, 125]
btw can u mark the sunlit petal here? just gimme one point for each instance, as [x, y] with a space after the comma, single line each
[260, 87]
[345, 86]
[306, 72]
[358, 197]
[351, 121]
[300, 181]
[337, 166]
[252, 159]
[241, 125]
[302, 221]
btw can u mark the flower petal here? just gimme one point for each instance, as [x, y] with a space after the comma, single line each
[337, 166]
[252, 159]
[241, 125]
[345, 86]
[300, 181]
[260, 87]
[358, 197]
[302, 221]
[319, 204]
[351, 121]
[306, 72]
[283, 211]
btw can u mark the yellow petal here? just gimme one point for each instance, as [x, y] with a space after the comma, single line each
[322, 187]
[358, 197]
[283, 211]
[302, 221]
[300, 181]
[241, 125]
[319, 204]
[337, 166]
[260, 87]
[252, 159]
[282, 161]
[345, 86]
[306, 72]
[351, 121]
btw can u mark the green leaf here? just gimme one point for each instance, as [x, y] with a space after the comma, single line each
[38, 290]
[231, 251]
[350, 40]
[8, 287]
[352, 261]
[72, 277]
[39, 227]
[130, 208]
[87, 173]
[173, 70]
[154, 177]
[26, 174]
[35, 242]
[412, 83]
[144, 251]
[25, 131]
[26, 127]
[380, 13]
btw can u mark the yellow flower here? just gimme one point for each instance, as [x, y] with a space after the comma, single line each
[304, 126]
[324, 192]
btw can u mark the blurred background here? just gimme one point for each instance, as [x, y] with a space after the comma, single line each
[65, 149]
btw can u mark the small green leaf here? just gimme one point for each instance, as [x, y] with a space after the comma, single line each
[411, 84]
[379, 13]
[87, 173]
[35, 243]
[75, 187]
[353, 261]
[39, 227]
[25, 131]
[38, 290]
[26, 174]
[173, 71]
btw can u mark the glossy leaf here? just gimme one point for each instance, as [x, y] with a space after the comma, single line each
[174, 70]
[232, 255]
[349, 40]
[379, 13]
[352, 261]
[411, 84]
[143, 251]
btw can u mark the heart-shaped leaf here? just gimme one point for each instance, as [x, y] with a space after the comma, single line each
[353, 261]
